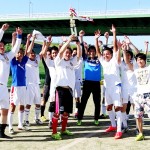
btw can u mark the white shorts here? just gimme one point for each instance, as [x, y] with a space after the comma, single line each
[77, 90]
[33, 94]
[4, 97]
[127, 95]
[113, 96]
[18, 95]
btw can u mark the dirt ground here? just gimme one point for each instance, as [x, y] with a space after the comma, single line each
[85, 137]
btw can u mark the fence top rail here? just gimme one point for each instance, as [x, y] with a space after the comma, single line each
[56, 15]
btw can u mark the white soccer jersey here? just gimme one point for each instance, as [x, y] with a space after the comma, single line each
[78, 70]
[127, 76]
[32, 71]
[51, 66]
[1, 34]
[143, 79]
[111, 71]
[65, 71]
[5, 62]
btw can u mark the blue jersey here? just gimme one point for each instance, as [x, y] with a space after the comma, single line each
[18, 71]
[92, 69]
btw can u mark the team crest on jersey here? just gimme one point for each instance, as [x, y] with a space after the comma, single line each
[36, 61]
[71, 63]
[97, 61]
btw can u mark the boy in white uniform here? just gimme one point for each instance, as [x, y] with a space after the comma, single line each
[5, 59]
[128, 86]
[110, 63]
[33, 81]
[142, 100]
[64, 87]
[52, 71]
[78, 74]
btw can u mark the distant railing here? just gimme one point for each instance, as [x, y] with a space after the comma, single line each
[66, 14]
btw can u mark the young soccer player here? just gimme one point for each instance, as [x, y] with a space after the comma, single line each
[5, 59]
[18, 88]
[91, 83]
[65, 83]
[52, 71]
[142, 99]
[78, 75]
[110, 62]
[33, 81]
[128, 86]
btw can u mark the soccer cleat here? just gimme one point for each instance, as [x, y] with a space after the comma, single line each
[26, 123]
[110, 128]
[56, 136]
[11, 131]
[43, 119]
[139, 137]
[102, 116]
[66, 132]
[118, 135]
[23, 128]
[38, 121]
[79, 122]
[96, 122]
[125, 130]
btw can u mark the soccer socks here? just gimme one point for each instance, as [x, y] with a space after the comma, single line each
[42, 110]
[54, 124]
[37, 112]
[20, 118]
[10, 119]
[64, 122]
[112, 118]
[119, 120]
[50, 116]
[26, 112]
[103, 107]
[124, 120]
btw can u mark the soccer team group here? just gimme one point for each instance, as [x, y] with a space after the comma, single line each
[126, 78]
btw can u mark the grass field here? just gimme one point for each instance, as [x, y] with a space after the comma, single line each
[86, 137]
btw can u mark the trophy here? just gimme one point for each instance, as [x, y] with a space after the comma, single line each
[73, 28]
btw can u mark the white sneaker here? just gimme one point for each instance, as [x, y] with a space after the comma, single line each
[11, 131]
[38, 121]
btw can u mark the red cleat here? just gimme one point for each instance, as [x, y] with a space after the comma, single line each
[110, 128]
[118, 135]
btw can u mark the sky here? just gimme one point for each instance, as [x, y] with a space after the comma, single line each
[50, 6]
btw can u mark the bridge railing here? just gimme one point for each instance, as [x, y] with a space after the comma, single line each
[66, 14]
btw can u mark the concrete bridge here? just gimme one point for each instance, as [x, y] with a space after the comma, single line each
[130, 22]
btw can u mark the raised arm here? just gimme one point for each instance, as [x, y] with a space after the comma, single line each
[46, 44]
[79, 52]
[126, 60]
[28, 42]
[146, 47]
[97, 35]
[106, 35]
[84, 50]
[14, 35]
[29, 48]
[16, 47]
[3, 29]
[63, 48]
[131, 45]
[113, 30]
